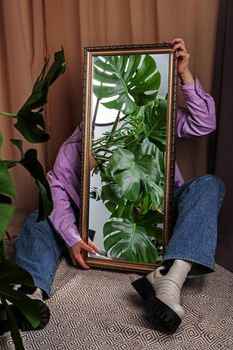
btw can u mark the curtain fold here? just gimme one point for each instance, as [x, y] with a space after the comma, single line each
[221, 161]
[32, 29]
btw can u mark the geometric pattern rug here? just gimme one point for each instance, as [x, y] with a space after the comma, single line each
[98, 309]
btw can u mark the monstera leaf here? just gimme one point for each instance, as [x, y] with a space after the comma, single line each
[33, 166]
[29, 118]
[130, 81]
[12, 274]
[156, 123]
[31, 125]
[128, 240]
[7, 194]
[133, 173]
[112, 192]
[146, 147]
[156, 196]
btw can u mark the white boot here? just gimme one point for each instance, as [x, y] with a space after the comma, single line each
[168, 287]
[162, 295]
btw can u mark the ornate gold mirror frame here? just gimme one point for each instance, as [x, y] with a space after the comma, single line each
[128, 154]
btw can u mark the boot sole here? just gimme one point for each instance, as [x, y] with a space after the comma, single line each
[165, 319]
[22, 323]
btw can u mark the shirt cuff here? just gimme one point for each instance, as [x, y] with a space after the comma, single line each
[70, 236]
[193, 92]
[72, 240]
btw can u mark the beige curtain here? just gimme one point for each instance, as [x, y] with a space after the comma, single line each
[32, 29]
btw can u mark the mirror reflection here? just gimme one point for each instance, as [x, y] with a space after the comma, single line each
[129, 136]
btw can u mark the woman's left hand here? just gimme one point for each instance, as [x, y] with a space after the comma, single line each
[183, 61]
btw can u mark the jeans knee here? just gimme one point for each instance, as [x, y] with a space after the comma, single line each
[214, 184]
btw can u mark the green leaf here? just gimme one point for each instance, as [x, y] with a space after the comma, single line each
[33, 166]
[29, 124]
[6, 184]
[157, 196]
[45, 201]
[157, 233]
[11, 273]
[144, 148]
[58, 67]
[7, 193]
[153, 222]
[145, 204]
[6, 212]
[27, 306]
[125, 210]
[38, 96]
[111, 192]
[110, 206]
[156, 122]
[132, 174]
[127, 240]
[130, 80]
[151, 219]
[15, 334]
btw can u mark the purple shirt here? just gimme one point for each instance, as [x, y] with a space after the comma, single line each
[64, 180]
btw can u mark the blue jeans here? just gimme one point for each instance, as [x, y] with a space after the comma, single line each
[196, 207]
[38, 250]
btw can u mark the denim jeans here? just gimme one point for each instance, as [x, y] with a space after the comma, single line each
[194, 238]
[38, 250]
[196, 207]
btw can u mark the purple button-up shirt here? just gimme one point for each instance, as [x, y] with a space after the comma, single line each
[64, 180]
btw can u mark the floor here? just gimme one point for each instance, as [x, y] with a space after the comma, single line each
[98, 309]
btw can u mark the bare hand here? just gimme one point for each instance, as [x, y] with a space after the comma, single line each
[183, 60]
[76, 250]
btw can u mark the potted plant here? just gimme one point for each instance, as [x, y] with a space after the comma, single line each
[30, 123]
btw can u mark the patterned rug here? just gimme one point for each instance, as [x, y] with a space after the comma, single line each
[98, 309]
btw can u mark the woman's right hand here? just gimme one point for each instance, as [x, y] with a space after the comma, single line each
[76, 250]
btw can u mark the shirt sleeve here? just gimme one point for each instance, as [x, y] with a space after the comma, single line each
[199, 118]
[64, 181]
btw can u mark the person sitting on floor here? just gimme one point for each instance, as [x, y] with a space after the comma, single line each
[191, 248]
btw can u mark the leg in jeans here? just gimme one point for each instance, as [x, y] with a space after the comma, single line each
[38, 251]
[196, 204]
[191, 250]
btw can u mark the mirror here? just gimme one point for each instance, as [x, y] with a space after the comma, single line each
[128, 154]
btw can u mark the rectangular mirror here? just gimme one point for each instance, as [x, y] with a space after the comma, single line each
[128, 154]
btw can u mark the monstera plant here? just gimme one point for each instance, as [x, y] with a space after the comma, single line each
[30, 123]
[130, 157]
[128, 86]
